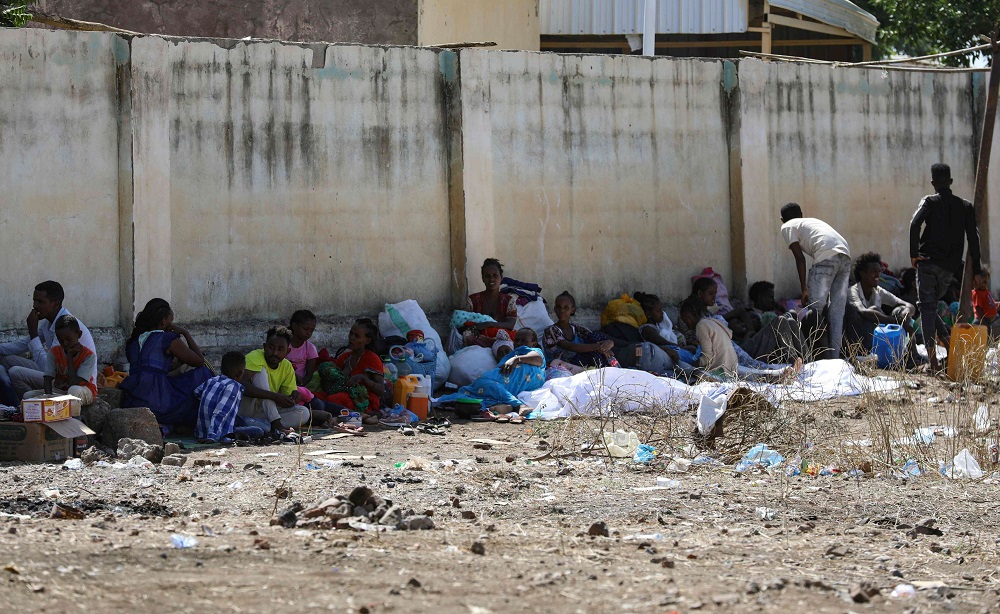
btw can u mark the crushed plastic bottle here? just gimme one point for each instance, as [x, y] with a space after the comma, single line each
[759, 456]
[621, 444]
[183, 541]
[911, 469]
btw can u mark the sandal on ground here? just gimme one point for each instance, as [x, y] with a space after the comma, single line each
[405, 430]
[440, 422]
[430, 429]
[515, 418]
[501, 418]
[485, 416]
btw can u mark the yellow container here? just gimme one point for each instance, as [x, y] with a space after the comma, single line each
[967, 352]
[405, 386]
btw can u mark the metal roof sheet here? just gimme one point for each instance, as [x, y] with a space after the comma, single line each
[626, 16]
[595, 17]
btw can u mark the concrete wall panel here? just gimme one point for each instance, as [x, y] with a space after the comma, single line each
[293, 186]
[59, 163]
[854, 148]
[598, 174]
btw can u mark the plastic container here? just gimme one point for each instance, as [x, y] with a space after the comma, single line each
[621, 444]
[419, 404]
[967, 352]
[403, 388]
[889, 345]
[424, 386]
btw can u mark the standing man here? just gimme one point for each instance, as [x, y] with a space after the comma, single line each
[938, 232]
[29, 373]
[830, 274]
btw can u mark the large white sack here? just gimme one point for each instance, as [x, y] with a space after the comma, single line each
[469, 363]
[535, 316]
[400, 318]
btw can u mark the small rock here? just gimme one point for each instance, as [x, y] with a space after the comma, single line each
[468, 515]
[418, 523]
[174, 460]
[171, 448]
[360, 495]
[392, 517]
[413, 583]
[837, 551]
[131, 423]
[598, 529]
[478, 548]
[863, 592]
[925, 527]
[482, 446]
[282, 492]
[261, 543]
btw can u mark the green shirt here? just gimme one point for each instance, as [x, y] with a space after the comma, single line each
[282, 379]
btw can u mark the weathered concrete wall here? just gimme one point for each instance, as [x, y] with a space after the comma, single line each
[853, 147]
[386, 22]
[59, 163]
[512, 24]
[595, 174]
[294, 180]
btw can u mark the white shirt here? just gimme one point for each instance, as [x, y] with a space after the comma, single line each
[40, 345]
[816, 238]
[879, 297]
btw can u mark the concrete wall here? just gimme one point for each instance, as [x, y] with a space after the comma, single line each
[853, 147]
[59, 164]
[595, 174]
[242, 180]
[512, 24]
[296, 179]
[386, 22]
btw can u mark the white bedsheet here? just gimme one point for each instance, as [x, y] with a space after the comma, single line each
[603, 391]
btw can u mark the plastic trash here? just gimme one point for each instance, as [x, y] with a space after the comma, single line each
[644, 537]
[794, 467]
[235, 485]
[73, 464]
[924, 435]
[311, 466]
[759, 456]
[963, 466]
[667, 482]
[903, 591]
[766, 513]
[183, 541]
[982, 418]
[911, 469]
[644, 454]
[621, 444]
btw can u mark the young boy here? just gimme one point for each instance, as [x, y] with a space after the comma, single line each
[71, 365]
[220, 401]
[983, 304]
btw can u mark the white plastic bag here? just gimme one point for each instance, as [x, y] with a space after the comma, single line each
[535, 316]
[469, 363]
[409, 316]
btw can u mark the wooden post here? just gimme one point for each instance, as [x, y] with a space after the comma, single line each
[985, 149]
[765, 36]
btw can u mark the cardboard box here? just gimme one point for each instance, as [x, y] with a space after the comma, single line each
[49, 408]
[45, 441]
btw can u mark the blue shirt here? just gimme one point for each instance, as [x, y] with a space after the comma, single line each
[220, 402]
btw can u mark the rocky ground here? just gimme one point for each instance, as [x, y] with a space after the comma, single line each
[518, 524]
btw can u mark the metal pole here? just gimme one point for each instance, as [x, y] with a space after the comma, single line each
[985, 149]
[649, 29]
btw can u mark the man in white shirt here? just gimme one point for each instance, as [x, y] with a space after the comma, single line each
[26, 374]
[830, 274]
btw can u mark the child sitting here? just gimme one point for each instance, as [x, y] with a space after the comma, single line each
[220, 403]
[983, 303]
[305, 359]
[71, 365]
[573, 346]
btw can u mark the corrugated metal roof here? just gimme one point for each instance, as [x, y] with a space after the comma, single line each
[841, 13]
[626, 16]
[593, 17]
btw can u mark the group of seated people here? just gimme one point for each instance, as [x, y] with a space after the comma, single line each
[288, 382]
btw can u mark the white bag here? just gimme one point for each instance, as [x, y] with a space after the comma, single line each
[469, 363]
[535, 316]
[408, 315]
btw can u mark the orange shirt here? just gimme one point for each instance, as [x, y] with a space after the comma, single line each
[983, 304]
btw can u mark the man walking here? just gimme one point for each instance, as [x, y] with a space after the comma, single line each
[938, 232]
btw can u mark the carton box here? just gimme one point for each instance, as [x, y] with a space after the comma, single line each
[44, 441]
[49, 408]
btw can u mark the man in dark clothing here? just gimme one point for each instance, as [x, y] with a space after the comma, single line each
[938, 232]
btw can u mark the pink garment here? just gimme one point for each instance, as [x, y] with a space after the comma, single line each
[307, 394]
[298, 356]
[722, 294]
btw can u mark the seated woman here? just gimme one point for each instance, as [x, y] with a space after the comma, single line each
[572, 346]
[355, 379]
[866, 301]
[521, 370]
[165, 366]
[718, 351]
[501, 306]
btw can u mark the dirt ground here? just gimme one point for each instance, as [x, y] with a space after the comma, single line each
[826, 543]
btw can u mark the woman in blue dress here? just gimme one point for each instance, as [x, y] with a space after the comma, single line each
[522, 370]
[157, 352]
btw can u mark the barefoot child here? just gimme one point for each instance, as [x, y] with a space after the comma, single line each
[220, 402]
[71, 364]
[354, 379]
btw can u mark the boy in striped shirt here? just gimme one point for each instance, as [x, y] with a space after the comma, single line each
[220, 400]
